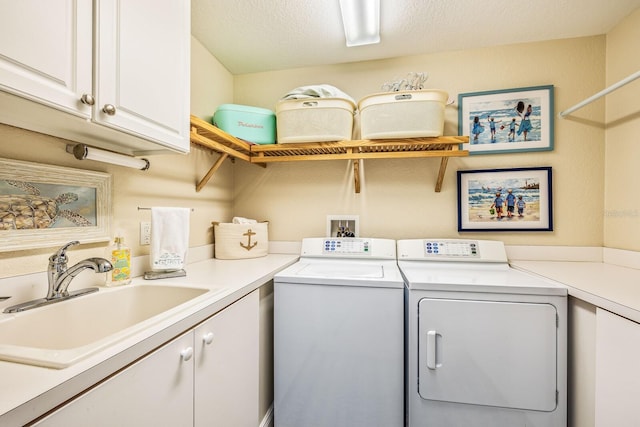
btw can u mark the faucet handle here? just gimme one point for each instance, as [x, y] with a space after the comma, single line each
[61, 255]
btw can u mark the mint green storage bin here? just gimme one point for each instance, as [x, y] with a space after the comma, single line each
[252, 124]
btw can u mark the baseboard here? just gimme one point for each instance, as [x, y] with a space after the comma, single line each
[267, 420]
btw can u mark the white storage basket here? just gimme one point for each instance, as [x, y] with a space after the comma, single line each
[314, 120]
[404, 114]
[240, 241]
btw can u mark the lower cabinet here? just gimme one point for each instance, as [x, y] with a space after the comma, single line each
[617, 379]
[205, 377]
[226, 366]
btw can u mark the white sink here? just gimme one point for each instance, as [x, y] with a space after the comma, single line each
[59, 335]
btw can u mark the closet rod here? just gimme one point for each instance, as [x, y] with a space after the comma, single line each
[600, 94]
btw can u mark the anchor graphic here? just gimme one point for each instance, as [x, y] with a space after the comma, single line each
[249, 246]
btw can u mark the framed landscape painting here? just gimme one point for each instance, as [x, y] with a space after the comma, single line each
[516, 199]
[507, 121]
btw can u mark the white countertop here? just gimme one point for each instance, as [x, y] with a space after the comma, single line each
[612, 287]
[28, 391]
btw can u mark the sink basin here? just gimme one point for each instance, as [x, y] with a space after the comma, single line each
[61, 334]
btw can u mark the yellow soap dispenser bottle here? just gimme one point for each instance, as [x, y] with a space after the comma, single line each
[120, 257]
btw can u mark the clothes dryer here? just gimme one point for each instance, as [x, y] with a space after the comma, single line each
[486, 344]
[339, 336]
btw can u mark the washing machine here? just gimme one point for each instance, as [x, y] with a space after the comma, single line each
[486, 344]
[339, 336]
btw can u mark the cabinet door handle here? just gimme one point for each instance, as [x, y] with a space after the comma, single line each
[87, 99]
[208, 338]
[186, 354]
[109, 109]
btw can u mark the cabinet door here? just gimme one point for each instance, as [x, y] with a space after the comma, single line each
[227, 377]
[45, 52]
[617, 370]
[157, 391]
[142, 69]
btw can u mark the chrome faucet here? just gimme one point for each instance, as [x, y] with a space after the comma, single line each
[59, 277]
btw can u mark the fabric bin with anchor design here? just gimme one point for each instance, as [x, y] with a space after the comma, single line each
[239, 241]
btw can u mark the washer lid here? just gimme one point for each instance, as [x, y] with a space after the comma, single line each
[343, 270]
[338, 272]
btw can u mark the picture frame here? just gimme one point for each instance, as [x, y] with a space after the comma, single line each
[46, 206]
[343, 226]
[507, 121]
[531, 188]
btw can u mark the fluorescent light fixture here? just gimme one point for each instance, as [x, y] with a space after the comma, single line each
[361, 20]
[84, 152]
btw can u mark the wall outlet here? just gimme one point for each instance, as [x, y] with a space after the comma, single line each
[145, 233]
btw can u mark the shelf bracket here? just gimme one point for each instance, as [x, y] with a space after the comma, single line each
[443, 168]
[356, 175]
[213, 170]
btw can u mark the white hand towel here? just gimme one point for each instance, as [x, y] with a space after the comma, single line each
[169, 238]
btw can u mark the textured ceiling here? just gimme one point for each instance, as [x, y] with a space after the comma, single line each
[258, 35]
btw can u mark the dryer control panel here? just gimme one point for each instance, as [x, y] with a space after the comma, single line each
[453, 250]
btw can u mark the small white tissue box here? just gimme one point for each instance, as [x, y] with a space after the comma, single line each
[239, 241]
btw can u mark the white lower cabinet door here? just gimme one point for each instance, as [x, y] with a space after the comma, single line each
[227, 366]
[617, 371]
[156, 391]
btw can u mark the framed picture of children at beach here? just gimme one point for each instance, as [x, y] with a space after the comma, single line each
[507, 121]
[516, 199]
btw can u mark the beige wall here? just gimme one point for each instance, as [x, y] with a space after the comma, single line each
[169, 182]
[397, 198]
[621, 203]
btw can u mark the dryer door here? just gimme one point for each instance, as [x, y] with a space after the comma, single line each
[488, 353]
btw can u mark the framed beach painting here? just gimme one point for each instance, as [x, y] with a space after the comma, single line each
[516, 199]
[507, 121]
[45, 206]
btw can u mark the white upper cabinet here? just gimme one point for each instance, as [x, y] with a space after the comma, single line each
[142, 68]
[111, 73]
[45, 52]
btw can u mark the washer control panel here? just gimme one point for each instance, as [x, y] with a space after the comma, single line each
[448, 248]
[347, 246]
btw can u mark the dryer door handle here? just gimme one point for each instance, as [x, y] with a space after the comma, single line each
[433, 339]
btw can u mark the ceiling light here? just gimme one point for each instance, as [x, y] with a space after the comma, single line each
[361, 20]
[84, 152]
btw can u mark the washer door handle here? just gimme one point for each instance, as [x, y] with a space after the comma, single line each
[433, 339]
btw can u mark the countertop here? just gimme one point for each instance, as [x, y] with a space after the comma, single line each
[612, 287]
[28, 391]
